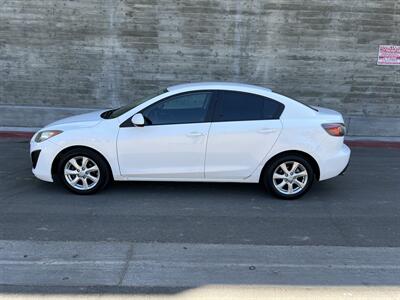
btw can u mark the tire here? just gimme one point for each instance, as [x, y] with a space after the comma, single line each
[83, 165]
[278, 181]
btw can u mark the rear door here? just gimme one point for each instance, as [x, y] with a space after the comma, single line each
[243, 130]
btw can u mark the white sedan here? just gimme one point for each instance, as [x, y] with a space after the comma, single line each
[204, 132]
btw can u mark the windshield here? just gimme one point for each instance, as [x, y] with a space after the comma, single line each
[114, 113]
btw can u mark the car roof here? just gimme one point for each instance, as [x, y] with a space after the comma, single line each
[217, 86]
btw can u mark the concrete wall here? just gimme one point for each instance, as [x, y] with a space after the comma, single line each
[59, 55]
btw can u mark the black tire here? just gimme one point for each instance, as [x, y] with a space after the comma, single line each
[104, 172]
[271, 168]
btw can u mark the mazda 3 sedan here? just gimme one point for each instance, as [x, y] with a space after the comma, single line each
[204, 132]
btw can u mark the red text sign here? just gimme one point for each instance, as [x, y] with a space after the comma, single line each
[389, 55]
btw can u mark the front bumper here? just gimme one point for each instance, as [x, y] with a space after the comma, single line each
[35, 157]
[43, 155]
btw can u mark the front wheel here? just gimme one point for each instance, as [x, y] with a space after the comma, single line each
[83, 171]
[289, 177]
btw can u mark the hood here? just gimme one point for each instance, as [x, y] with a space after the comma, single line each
[83, 120]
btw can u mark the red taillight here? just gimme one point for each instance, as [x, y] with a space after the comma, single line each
[335, 129]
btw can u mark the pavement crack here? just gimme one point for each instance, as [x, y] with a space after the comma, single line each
[129, 256]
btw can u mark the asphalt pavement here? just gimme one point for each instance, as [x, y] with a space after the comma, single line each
[360, 210]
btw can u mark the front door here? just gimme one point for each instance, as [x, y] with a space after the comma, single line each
[172, 143]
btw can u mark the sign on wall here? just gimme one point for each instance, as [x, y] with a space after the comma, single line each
[389, 55]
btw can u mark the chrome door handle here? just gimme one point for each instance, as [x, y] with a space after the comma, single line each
[195, 134]
[266, 130]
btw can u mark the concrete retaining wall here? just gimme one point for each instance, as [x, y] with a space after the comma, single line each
[101, 53]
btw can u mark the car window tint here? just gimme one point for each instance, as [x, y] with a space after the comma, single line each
[234, 106]
[272, 109]
[189, 101]
[239, 106]
[185, 108]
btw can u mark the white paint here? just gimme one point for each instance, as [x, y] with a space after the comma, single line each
[236, 151]
[142, 151]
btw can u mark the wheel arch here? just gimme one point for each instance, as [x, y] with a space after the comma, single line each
[308, 157]
[56, 160]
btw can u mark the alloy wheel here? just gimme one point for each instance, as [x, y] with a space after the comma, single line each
[81, 173]
[290, 177]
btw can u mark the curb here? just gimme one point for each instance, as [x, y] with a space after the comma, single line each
[373, 144]
[16, 134]
[351, 143]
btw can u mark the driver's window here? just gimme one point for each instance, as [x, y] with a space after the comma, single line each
[179, 109]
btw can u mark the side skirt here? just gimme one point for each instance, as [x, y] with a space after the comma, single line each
[245, 180]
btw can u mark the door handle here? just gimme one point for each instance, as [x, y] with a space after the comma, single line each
[267, 130]
[195, 134]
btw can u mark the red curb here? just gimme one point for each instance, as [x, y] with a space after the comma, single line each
[363, 144]
[16, 134]
[373, 144]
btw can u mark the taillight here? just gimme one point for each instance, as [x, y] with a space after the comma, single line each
[335, 129]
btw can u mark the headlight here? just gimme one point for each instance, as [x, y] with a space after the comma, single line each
[45, 135]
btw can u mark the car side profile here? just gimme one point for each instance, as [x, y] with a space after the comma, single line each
[203, 132]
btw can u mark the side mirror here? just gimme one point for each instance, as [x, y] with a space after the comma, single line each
[138, 120]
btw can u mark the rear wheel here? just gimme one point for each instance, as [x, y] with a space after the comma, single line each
[289, 177]
[83, 171]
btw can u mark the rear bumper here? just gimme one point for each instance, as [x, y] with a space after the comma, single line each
[345, 168]
[336, 164]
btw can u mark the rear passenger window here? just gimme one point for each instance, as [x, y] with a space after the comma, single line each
[238, 106]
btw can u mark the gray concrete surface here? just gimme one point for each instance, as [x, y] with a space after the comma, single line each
[166, 238]
[59, 57]
[81, 264]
